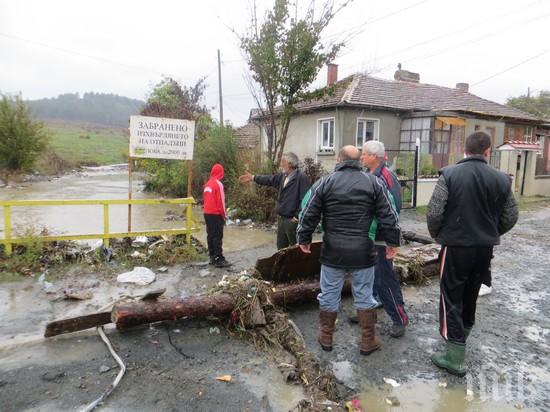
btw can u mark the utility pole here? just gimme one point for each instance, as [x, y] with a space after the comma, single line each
[220, 87]
[528, 92]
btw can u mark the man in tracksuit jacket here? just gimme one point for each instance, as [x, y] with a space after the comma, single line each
[386, 284]
[292, 185]
[214, 215]
[346, 201]
[471, 207]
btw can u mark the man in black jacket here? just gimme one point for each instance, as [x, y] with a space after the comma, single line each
[471, 207]
[292, 185]
[346, 201]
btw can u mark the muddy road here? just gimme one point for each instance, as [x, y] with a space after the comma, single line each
[172, 366]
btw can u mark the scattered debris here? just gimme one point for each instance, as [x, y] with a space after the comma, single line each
[392, 401]
[140, 241]
[104, 369]
[43, 282]
[354, 406]
[140, 276]
[214, 330]
[138, 255]
[392, 382]
[442, 383]
[224, 378]
[69, 294]
[162, 269]
[157, 243]
[469, 395]
[485, 290]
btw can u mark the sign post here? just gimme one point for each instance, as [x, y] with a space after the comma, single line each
[160, 138]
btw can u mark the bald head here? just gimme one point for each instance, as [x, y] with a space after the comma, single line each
[348, 153]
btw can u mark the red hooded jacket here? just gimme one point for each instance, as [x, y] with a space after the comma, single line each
[213, 195]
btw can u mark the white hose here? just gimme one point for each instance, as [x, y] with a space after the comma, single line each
[117, 380]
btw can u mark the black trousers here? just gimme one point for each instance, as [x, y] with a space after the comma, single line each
[462, 271]
[388, 289]
[214, 235]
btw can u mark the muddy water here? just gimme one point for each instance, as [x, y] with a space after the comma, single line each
[107, 183]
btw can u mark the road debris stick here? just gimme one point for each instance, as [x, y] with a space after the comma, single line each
[126, 315]
[102, 317]
[90, 407]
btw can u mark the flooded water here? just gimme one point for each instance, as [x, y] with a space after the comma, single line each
[107, 183]
[430, 396]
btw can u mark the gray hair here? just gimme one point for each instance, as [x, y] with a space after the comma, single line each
[376, 148]
[292, 159]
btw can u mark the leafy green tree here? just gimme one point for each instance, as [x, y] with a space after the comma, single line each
[22, 138]
[537, 105]
[284, 55]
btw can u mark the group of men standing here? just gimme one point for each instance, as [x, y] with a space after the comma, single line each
[358, 205]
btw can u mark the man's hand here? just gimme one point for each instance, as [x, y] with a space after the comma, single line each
[294, 220]
[246, 178]
[305, 248]
[390, 252]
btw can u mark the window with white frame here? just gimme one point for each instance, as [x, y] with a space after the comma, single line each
[367, 129]
[326, 135]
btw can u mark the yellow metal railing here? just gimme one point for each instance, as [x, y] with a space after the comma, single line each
[191, 223]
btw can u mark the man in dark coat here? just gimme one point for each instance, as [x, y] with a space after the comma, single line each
[471, 207]
[292, 185]
[346, 201]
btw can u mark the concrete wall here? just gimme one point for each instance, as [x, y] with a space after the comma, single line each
[535, 185]
[425, 189]
[303, 133]
[499, 128]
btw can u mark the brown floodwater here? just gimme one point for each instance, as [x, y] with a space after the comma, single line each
[107, 183]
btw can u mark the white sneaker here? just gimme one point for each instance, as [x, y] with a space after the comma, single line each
[485, 290]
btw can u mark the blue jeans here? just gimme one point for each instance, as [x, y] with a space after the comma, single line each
[332, 281]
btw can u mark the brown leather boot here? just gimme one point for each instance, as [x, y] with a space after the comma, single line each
[367, 322]
[326, 329]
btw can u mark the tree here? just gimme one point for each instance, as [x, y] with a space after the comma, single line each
[284, 55]
[22, 138]
[169, 99]
[539, 105]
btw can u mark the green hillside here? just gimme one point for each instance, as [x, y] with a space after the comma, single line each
[82, 144]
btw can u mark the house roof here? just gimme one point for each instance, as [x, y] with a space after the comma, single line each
[362, 90]
[520, 145]
[248, 135]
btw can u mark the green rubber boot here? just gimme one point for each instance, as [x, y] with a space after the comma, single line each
[452, 360]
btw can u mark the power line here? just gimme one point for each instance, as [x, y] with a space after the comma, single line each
[469, 41]
[511, 67]
[77, 53]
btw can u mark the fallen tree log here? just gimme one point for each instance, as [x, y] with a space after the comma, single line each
[126, 315]
[415, 237]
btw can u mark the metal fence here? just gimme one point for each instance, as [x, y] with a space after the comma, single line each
[405, 164]
[8, 241]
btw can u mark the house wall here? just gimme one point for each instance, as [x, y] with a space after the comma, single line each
[535, 185]
[484, 124]
[425, 189]
[303, 133]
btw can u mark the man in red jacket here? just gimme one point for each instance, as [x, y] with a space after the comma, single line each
[214, 216]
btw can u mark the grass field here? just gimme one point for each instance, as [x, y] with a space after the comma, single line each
[78, 144]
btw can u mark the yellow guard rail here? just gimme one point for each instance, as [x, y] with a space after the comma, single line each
[191, 223]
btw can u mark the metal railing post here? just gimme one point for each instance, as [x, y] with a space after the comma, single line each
[105, 224]
[7, 230]
[188, 220]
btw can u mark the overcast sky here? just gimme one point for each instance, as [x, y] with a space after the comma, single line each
[124, 46]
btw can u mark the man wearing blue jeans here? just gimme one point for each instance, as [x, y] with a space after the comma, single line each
[346, 201]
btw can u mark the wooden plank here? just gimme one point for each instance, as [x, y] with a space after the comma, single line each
[59, 327]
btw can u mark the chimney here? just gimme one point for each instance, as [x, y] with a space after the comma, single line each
[406, 76]
[332, 74]
[463, 87]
